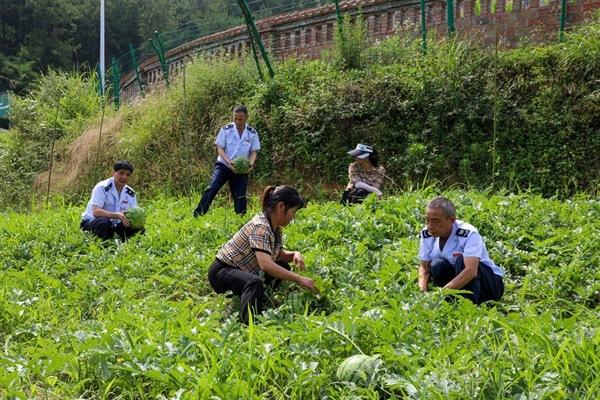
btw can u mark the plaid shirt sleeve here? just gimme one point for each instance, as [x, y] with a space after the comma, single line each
[377, 177]
[260, 239]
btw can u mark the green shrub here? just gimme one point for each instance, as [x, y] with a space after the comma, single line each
[57, 109]
[431, 116]
[350, 43]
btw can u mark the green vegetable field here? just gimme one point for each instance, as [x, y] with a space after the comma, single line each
[84, 320]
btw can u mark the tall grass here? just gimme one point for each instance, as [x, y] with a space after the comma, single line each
[58, 108]
[524, 119]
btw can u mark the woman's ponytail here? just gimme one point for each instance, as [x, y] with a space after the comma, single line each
[265, 196]
[286, 194]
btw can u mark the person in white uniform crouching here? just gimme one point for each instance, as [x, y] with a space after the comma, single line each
[452, 255]
[104, 215]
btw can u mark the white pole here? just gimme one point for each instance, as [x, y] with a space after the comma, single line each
[102, 45]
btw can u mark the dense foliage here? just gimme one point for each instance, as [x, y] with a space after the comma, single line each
[79, 319]
[59, 107]
[64, 34]
[431, 116]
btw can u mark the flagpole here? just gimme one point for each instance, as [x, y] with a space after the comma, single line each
[102, 61]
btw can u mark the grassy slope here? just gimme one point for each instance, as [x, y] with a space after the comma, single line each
[430, 116]
[78, 319]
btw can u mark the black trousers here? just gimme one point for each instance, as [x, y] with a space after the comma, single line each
[238, 184]
[486, 286]
[354, 196]
[104, 229]
[248, 286]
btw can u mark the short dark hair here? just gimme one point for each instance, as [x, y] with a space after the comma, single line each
[123, 164]
[285, 193]
[241, 109]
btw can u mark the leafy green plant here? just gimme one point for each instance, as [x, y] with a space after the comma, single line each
[350, 43]
[84, 318]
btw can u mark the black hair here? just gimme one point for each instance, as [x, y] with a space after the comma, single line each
[241, 109]
[374, 158]
[123, 164]
[285, 193]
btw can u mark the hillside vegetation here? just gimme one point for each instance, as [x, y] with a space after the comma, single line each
[431, 116]
[79, 319]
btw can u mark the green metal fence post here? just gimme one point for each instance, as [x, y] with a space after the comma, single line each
[563, 17]
[450, 17]
[160, 51]
[254, 52]
[136, 67]
[253, 31]
[338, 15]
[423, 28]
[116, 76]
[4, 110]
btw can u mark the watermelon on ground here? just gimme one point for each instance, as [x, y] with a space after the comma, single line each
[241, 165]
[360, 369]
[136, 216]
[296, 302]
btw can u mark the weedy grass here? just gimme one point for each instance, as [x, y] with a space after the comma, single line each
[90, 320]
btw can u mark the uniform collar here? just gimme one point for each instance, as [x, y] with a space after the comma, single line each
[236, 130]
[113, 189]
[454, 229]
[452, 233]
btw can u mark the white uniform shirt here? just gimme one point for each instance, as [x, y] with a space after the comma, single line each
[105, 196]
[235, 145]
[464, 240]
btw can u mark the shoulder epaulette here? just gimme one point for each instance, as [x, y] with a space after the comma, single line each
[250, 129]
[129, 191]
[108, 187]
[228, 126]
[462, 232]
[425, 234]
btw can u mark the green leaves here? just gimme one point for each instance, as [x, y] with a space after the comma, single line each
[140, 320]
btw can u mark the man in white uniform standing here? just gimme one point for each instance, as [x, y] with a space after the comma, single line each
[105, 212]
[452, 255]
[236, 139]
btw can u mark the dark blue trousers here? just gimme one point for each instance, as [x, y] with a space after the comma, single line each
[247, 285]
[238, 184]
[104, 229]
[486, 286]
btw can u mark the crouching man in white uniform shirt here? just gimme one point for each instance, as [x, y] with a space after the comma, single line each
[452, 255]
[105, 212]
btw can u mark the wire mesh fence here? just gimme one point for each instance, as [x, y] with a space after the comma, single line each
[208, 26]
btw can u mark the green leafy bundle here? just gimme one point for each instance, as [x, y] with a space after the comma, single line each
[241, 165]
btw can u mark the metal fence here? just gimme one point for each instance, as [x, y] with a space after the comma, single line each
[4, 105]
[129, 61]
[4, 109]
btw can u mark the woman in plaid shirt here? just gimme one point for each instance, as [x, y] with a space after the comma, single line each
[365, 175]
[257, 246]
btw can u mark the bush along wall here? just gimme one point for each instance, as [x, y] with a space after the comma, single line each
[430, 115]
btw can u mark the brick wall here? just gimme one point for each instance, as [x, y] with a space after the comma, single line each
[307, 33]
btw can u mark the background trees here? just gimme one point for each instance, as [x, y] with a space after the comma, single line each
[37, 35]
